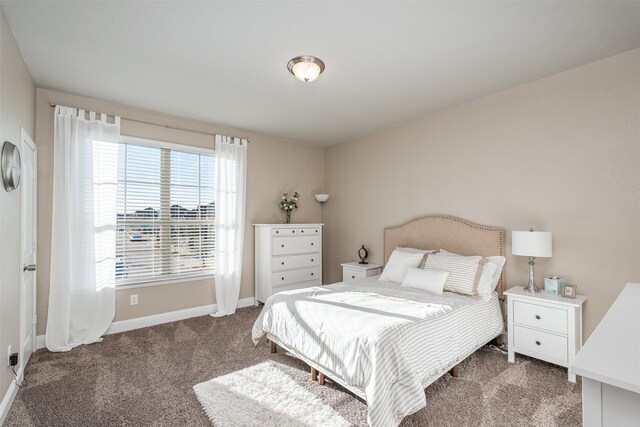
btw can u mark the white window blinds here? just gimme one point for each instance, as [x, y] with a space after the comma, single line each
[166, 214]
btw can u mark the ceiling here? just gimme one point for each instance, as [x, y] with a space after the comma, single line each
[386, 62]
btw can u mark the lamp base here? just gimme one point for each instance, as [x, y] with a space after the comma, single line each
[531, 287]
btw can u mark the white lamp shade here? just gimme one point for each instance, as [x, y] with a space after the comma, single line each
[531, 243]
[322, 197]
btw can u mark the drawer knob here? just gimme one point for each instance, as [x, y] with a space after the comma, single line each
[282, 262]
[302, 231]
[293, 231]
[283, 246]
[312, 244]
[353, 277]
[283, 278]
[277, 231]
[537, 342]
[311, 259]
[312, 274]
[538, 316]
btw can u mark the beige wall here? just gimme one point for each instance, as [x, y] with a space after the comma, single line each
[560, 154]
[274, 166]
[17, 109]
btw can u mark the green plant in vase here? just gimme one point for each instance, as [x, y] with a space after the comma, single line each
[287, 205]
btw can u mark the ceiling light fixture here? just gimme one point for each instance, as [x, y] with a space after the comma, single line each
[306, 68]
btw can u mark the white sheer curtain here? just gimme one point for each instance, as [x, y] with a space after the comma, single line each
[82, 285]
[231, 173]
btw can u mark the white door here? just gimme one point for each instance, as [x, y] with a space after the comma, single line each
[28, 249]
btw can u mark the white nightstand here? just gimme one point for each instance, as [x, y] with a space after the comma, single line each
[355, 270]
[547, 327]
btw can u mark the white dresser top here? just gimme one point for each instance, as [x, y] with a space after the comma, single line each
[611, 355]
[287, 225]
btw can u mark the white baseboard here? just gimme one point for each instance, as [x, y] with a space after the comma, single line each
[156, 319]
[7, 400]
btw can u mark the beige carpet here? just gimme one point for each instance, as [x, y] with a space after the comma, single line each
[146, 378]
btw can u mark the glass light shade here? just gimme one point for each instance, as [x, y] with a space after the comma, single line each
[322, 197]
[306, 71]
[531, 243]
[306, 68]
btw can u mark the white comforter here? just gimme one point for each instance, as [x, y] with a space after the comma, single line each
[387, 340]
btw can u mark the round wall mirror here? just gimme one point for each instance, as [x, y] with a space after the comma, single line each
[11, 166]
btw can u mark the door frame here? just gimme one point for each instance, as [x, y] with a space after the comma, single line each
[27, 143]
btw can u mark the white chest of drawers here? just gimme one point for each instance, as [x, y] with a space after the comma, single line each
[287, 257]
[547, 327]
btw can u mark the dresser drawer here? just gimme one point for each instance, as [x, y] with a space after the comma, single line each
[284, 231]
[541, 317]
[295, 245]
[288, 277]
[352, 274]
[308, 231]
[542, 343]
[295, 261]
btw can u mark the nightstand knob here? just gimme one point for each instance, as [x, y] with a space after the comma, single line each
[537, 342]
[538, 316]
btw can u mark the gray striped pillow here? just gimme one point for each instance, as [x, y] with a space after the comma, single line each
[464, 271]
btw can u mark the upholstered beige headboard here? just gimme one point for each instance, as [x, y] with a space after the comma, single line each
[449, 233]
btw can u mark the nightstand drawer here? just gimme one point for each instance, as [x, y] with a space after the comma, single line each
[352, 274]
[541, 317]
[543, 343]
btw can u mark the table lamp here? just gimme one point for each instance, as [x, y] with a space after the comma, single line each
[531, 244]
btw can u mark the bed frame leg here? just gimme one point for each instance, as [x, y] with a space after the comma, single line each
[273, 347]
[321, 378]
[314, 374]
[455, 371]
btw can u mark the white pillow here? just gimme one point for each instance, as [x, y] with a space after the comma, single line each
[398, 264]
[427, 279]
[485, 284]
[499, 261]
[417, 251]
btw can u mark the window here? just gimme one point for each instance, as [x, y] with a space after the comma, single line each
[166, 212]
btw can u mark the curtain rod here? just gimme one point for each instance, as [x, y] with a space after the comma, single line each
[52, 105]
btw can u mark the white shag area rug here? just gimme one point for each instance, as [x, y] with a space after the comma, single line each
[263, 395]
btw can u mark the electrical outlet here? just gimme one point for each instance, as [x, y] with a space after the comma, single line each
[133, 299]
[9, 356]
[13, 359]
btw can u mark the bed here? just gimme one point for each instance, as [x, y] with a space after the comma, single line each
[383, 342]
